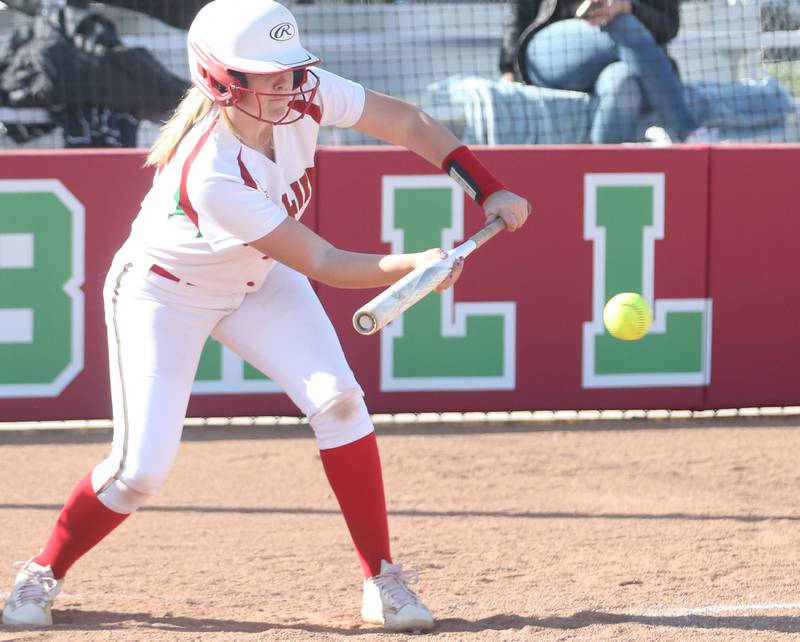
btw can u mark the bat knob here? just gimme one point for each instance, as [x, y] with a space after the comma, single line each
[364, 323]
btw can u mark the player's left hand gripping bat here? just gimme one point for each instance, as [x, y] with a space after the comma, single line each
[404, 293]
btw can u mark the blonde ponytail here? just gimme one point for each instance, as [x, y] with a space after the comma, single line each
[192, 109]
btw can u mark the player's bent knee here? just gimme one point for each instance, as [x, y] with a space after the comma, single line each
[342, 420]
[127, 492]
[119, 496]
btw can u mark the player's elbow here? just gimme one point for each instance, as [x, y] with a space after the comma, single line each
[416, 125]
[406, 124]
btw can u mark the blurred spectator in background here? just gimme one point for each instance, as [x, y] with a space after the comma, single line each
[70, 61]
[177, 13]
[613, 49]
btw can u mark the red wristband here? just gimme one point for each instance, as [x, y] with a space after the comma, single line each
[466, 170]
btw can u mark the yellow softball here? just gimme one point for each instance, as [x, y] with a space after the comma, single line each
[627, 316]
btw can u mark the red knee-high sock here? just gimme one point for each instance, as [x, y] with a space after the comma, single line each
[354, 473]
[83, 522]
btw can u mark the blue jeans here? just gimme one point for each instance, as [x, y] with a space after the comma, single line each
[622, 65]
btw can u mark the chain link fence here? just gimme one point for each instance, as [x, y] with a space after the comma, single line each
[713, 70]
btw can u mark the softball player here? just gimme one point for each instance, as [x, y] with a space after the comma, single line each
[216, 250]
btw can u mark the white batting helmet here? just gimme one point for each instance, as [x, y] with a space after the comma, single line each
[230, 38]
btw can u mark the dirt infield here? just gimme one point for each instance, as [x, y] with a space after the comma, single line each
[633, 531]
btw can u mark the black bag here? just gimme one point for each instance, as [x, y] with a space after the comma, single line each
[73, 63]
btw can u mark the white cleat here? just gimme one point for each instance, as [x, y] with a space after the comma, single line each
[388, 601]
[34, 591]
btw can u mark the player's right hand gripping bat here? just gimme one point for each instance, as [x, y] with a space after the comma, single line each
[404, 293]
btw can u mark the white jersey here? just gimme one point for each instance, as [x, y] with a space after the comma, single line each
[216, 194]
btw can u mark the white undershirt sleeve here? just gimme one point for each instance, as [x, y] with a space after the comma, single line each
[342, 100]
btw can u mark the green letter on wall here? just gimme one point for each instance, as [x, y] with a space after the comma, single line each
[623, 217]
[438, 344]
[41, 302]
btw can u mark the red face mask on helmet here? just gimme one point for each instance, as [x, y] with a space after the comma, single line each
[230, 39]
[228, 87]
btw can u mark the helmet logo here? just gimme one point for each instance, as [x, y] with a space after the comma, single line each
[283, 31]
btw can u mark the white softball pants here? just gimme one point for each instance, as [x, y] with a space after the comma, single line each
[156, 332]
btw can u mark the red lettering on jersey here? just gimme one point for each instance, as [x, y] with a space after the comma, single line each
[306, 185]
[298, 194]
[301, 190]
[291, 207]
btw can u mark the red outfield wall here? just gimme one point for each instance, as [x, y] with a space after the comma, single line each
[708, 235]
